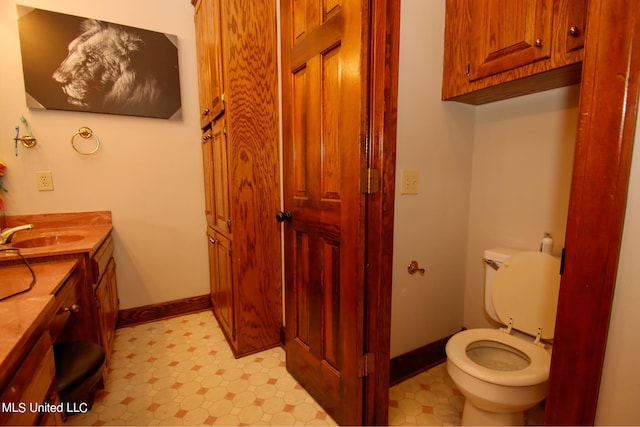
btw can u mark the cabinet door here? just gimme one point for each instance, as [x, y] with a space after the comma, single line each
[107, 302]
[207, 166]
[222, 220]
[208, 46]
[571, 26]
[506, 34]
[221, 281]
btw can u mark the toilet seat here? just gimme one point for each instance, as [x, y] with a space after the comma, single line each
[535, 373]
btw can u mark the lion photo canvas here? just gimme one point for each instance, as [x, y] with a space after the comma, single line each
[83, 64]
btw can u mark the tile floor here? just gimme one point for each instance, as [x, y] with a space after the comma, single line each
[181, 371]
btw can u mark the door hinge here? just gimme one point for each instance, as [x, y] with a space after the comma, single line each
[468, 69]
[369, 180]
[365, 364]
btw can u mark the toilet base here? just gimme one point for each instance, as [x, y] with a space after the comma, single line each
[474, 416]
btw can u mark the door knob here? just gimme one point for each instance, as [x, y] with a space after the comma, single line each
[282, 216]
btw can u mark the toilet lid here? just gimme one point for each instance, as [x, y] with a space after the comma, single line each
[526, 289]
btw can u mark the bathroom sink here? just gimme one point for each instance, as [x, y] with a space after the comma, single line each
[47, 240]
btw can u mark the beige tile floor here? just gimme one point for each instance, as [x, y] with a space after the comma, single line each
[181, 371]
[427, 399]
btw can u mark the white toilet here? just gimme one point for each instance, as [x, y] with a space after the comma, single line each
[503, 372]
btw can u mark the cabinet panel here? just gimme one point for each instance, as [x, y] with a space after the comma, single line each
[107, 297]
[208, 47]
[29, 385]
[207, 167]
[506, 34]
[222, 215]
[222, 295]
[105, 293]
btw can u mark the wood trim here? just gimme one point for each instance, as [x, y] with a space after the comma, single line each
[383, 92]
[164, 310]
[608, 114]
[412, 363]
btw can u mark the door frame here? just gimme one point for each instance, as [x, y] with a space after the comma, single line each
[384, 42]
[599, 187]
[604, 143]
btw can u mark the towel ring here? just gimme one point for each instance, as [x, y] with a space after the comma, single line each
[85, 133]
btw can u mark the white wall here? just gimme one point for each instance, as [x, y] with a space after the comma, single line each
[620, 386]
[435, 138]
[148, 172]
[522, 163]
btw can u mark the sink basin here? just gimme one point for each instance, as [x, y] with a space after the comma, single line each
[47, 240]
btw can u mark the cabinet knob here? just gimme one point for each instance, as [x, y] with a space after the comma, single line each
[212, 240]
[539, 43]
[73, 308]
[206, 137]
[205, 112]
[574, 31]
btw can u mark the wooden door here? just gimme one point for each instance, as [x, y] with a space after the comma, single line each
[324, 111]
[507, 34]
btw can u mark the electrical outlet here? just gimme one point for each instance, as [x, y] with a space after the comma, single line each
[410, 180]
[45, 181]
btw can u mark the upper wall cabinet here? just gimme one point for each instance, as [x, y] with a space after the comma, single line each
[499, 49]
[209, 51]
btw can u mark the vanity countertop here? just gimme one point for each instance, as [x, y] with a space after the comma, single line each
[81, 232]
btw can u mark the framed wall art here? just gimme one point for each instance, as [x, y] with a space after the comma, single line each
[83, 64]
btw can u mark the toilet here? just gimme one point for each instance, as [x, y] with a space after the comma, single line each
[503, 372]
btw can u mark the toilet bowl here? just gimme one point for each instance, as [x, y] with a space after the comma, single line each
[503, 372]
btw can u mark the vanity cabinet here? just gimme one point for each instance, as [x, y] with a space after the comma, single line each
[32, 384]
[240, 145]
[498, 49]
[32, 321]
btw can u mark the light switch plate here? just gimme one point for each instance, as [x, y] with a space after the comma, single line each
[410, 180]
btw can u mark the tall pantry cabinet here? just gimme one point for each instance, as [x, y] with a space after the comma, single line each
[237, 78]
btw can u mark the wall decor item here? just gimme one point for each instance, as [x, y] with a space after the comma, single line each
[82, 64]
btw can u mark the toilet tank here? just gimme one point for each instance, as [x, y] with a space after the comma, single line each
[493, 258]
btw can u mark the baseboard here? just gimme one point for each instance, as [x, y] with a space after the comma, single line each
[412, 363]
[163, 310]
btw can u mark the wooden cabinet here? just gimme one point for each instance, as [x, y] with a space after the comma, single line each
[498, 49]
[241, 171]
[208, 44]
[32, 385]
[105, 288]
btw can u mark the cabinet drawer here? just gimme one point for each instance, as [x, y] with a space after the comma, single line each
[30, 385]
[66, 304]
[101, 259]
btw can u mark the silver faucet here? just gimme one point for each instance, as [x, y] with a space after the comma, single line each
[7, 234]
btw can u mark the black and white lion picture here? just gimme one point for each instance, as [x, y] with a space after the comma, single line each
[115, 69]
